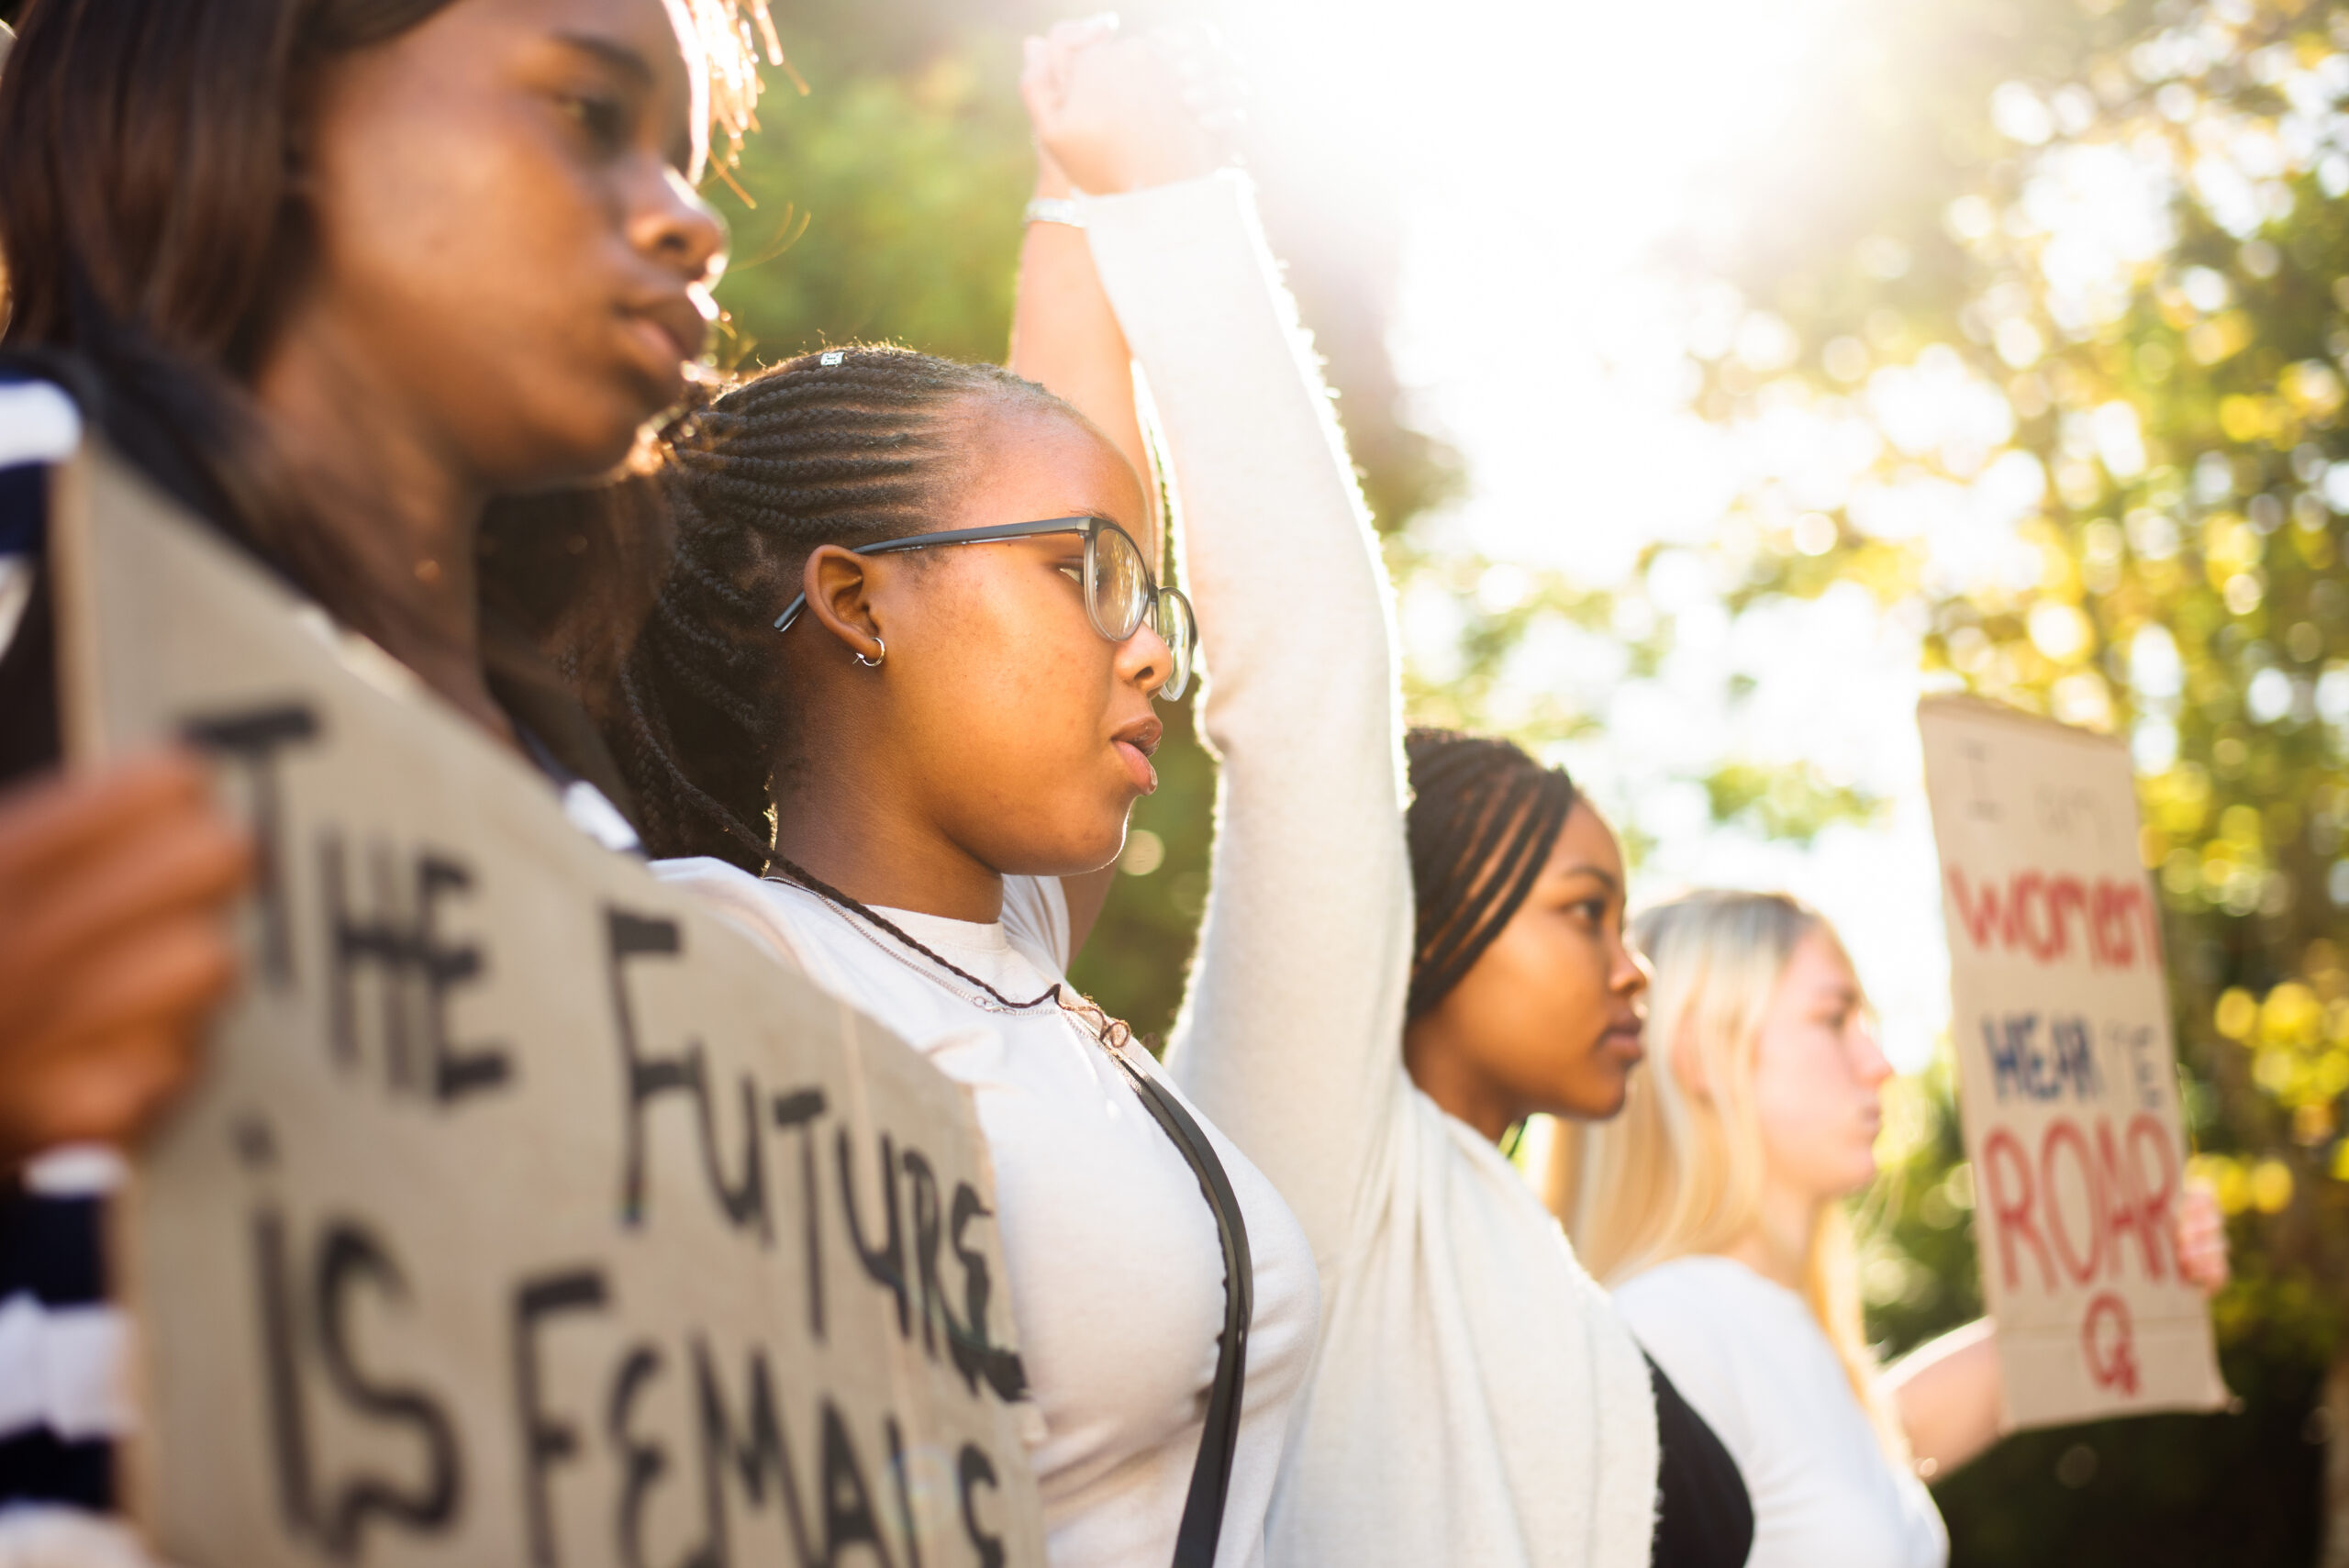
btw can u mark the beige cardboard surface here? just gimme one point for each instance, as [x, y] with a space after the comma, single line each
[2067, 1070]
[525, 1215]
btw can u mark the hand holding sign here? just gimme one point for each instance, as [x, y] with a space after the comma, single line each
[525, 1214]
[114, 947]
[2202, 1241]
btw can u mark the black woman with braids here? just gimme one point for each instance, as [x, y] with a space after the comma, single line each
[335, 274]
[1475, 1396]
[890, 714]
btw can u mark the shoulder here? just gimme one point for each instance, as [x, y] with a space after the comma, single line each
[1683, 1303]
[1035, 920]
[757, 907]
[1712, 1323]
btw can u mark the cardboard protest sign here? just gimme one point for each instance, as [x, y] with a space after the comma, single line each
[525, 1214]
[2066, 1074]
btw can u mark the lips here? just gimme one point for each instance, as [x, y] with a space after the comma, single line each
[1134, 745]
[1624, 1040]
[669, 331]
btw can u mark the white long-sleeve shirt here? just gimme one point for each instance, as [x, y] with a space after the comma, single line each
[1476, 1398]
[1116, 1271]
[1747, 1353]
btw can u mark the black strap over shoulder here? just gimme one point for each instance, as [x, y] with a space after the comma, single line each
[1202, 1527]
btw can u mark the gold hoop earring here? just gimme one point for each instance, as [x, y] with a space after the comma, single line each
[873, 663]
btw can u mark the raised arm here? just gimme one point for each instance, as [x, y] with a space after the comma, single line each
[1063, 334]
[1290, 1035]
[1064, 337]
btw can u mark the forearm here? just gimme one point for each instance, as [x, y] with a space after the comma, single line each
[1065, 338]
[1290, 1034]
[1947, 1394]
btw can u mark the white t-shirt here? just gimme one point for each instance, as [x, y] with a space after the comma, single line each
[1749, 1355]
[1117, 1273]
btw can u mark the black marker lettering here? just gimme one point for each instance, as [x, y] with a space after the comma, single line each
[977, 1470]
[744, 1200]
[289, 1437]
[398, 945]
[356, 945]
[974, 1354]
[643, 1463]
[544, 1440]
[456, 1071]
[755, 1453]
[885, 1263]
[798, 1112]
[849, 1519]
[253, 739]
[347, 1256]
[927, 1236]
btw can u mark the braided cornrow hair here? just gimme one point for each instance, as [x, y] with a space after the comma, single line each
[849, 446]
[1484, 819]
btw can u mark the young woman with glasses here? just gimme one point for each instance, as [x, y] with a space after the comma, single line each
[333, 274]
[1473, 1399]
[893, 706]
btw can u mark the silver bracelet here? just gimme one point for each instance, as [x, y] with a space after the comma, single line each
[1055, 209]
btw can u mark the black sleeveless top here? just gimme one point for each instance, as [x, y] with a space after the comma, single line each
[1704, 1516]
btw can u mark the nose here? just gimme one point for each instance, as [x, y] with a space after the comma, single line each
[1144, 661]
[1629, 974]
[677, 230]
[1868, 1059]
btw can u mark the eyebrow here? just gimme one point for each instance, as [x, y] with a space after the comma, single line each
[1613, 885]
[612, 53]
[685, 151]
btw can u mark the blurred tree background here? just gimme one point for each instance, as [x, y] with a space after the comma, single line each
[2089, 282]
[2073, 308]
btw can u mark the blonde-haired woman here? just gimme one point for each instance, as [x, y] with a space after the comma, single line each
[1714, 1207]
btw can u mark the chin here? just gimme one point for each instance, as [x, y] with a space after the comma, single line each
[1073, 855]
[1861, 1177]
[591, 438]
[1595, 1104]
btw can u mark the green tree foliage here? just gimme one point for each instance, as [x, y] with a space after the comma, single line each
[2079, 294]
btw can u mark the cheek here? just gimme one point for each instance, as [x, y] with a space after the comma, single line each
[1540, 989]
[1019, 680]
[477, 263]
[1810, 1109]
[1558, 970]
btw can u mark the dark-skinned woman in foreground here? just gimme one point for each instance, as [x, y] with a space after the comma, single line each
[419, 255]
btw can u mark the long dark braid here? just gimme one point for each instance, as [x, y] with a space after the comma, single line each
[849, 446]
[1484, 819]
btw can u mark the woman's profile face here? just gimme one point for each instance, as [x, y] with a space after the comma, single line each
[505, 250]
[1548, 1018]
[1018, 732]
[1818, 1075]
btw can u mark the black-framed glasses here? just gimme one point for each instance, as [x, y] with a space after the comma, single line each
[1120, 591]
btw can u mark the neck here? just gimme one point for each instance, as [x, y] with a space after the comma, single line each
[394, 510]
[1459, 1091]
[1778, 1244]
[854, 834]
